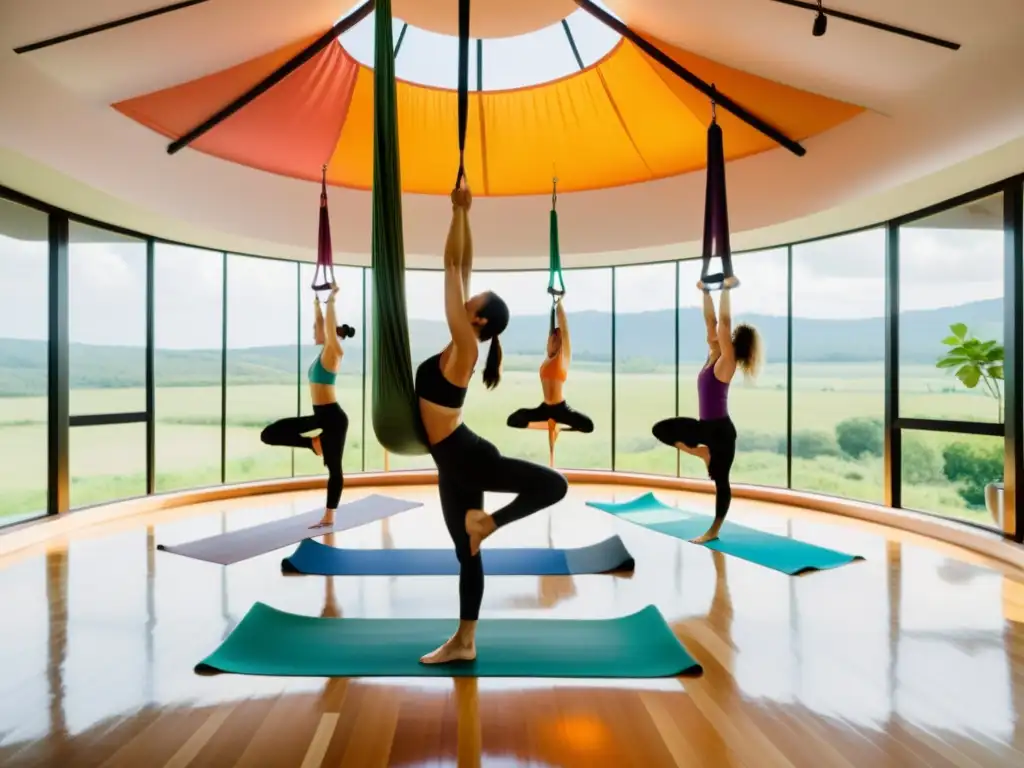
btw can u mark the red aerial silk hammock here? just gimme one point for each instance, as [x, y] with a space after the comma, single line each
[324, 252]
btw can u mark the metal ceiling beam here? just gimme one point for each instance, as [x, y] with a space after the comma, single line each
[274, 77]
[833, 13]
[50, 41]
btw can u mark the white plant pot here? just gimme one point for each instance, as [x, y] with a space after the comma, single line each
[994, 502]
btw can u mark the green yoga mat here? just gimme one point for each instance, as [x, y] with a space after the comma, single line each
[272, 642]
[776, 552]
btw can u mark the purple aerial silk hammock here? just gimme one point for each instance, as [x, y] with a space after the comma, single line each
[324, 252]
[716, 212]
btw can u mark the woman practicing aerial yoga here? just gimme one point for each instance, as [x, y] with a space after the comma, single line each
[553, 373]
[712, 438]
[327, 416]
[468, 465]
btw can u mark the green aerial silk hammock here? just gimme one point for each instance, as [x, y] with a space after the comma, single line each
[554, 258]
[396, 418]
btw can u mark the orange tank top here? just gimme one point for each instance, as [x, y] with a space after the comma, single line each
[553, 370]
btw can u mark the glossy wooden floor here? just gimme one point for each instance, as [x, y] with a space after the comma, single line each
[913, 657]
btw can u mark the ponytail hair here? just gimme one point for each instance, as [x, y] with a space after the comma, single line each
[492, 370]
[749, 348]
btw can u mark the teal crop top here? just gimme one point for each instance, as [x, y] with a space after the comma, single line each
[320, 375]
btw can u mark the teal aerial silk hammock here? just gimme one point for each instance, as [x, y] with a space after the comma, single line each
[396, 418]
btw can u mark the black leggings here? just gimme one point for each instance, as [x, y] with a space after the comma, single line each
[719, 435]
[561, 413]
[333, 422]
[468, 465]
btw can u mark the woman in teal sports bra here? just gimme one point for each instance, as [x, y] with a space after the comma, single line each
[328, 416]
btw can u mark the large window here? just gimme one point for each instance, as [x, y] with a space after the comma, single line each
[107, 463]
[349, 311]
[233, 342]
[188, 331]
[588, 307]
[953, 475]
[645, 383]
[263, 362]
[951, 285]
[107, 317]
[24, 272]
[951, 359]
[839, 365]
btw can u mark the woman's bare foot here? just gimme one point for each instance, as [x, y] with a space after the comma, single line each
[317, 448]
[702, 452]
[456, 649]
[326, 521]
[711, 535]
[479, 525]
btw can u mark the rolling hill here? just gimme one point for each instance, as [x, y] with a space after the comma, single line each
[645, 341]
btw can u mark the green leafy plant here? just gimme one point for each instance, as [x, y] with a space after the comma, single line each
[975, 361]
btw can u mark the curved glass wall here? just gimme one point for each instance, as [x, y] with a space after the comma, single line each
[883, 375]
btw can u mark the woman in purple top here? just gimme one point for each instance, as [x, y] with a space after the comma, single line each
[712, 438]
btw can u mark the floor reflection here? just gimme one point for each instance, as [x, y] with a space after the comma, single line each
[911, 653]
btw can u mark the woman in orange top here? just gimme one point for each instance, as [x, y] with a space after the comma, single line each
[553, 373]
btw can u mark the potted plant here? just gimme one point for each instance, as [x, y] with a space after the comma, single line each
[978, 362]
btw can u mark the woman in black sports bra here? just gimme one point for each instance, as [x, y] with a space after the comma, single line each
[468, 465]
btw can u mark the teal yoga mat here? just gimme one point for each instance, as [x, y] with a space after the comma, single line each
[776, 552]
[272, 642]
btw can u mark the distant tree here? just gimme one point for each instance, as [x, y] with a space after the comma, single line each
[975, 361]
[811, 443]
[920, 461]
[972, 468]
[859, 436]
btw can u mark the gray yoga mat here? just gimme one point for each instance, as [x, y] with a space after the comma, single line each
[233, 547]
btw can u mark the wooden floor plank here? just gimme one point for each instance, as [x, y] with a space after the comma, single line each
[913, 657]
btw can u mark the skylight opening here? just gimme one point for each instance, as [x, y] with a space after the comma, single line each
[431, 59]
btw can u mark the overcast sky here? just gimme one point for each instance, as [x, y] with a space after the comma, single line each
[836, 278]
[431, 59]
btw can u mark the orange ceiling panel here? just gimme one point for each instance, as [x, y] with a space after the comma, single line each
[625, 119]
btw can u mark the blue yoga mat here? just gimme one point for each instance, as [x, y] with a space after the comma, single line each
[314, 558]
[776, 552]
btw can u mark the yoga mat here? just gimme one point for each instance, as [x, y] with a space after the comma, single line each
[233, 547]
[318, 559]
[271, 642]
[776, 552]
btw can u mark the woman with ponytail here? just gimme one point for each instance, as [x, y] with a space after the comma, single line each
[468, 465]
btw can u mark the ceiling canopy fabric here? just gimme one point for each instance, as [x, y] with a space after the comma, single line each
[625, 119]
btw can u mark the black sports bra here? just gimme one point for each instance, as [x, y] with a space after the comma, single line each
[432, 386]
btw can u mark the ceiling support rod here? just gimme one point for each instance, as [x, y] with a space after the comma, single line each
[108, 25]
[401, 37]
[920, 36]
[572, 43]
[274, 77]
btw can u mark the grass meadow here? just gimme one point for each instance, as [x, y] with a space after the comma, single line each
[108, 462]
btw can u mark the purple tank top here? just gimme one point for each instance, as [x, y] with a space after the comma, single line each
[712, 395]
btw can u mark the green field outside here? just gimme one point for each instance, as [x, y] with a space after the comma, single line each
[108, 462]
